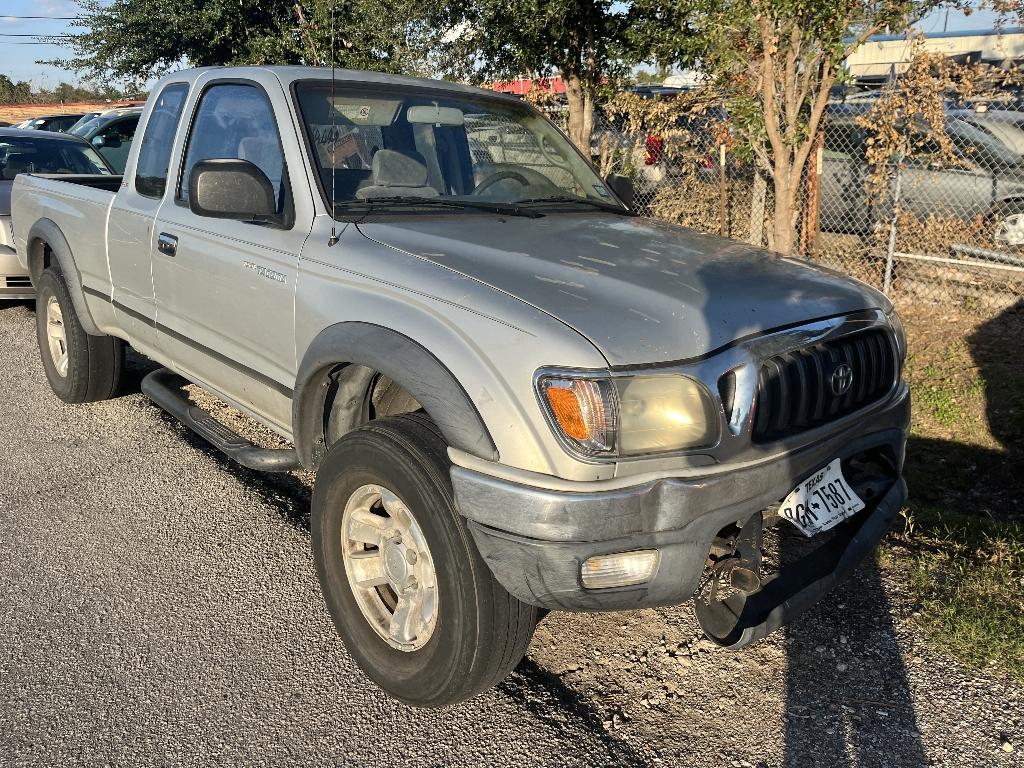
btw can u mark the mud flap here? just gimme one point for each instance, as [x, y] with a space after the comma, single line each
[741, 619]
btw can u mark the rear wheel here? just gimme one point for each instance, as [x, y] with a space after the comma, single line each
[80, 368]
[1009, 225]
[410, 595]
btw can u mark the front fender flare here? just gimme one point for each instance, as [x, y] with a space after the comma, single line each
[46, 231]
[402, 360]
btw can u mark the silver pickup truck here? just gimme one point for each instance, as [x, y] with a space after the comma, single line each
[517, 396]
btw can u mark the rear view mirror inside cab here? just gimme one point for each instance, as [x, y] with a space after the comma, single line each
[435, 115]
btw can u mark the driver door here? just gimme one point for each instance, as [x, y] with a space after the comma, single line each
[224, 288]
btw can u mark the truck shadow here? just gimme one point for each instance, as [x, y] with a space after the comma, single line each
[848, 696]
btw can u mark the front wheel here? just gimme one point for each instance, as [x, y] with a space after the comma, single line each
[413, 600]
[80, 368]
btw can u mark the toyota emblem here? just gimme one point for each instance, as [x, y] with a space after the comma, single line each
[842, 379]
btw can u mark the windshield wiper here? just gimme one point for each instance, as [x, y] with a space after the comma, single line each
[611, 207]
[378, 203]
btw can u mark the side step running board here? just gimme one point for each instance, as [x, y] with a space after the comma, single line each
[164, 387]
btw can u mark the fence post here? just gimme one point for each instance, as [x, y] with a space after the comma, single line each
[891, 250]
[809, 233]
[723, 194]
[756, 235]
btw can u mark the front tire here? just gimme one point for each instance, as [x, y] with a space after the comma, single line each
[414, 602]
[80, 368]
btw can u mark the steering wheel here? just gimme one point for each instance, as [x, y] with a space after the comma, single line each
[527, 177]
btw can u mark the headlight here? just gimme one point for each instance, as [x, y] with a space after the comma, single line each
[629, 415]
[901, 333]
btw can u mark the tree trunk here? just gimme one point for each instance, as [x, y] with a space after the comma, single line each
[783, 222]
[581, 112]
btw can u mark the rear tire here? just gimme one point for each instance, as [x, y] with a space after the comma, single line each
[80, 368]
[468, 632]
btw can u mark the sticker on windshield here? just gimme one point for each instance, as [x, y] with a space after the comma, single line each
[601, 190]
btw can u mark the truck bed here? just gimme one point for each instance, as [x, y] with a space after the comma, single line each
[78, 205]
[94, 180]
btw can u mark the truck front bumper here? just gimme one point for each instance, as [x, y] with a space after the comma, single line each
[536, 540]
[14, 280]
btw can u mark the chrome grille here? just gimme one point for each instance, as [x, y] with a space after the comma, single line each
[804, 388]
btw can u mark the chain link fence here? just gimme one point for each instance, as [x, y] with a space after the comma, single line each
[926, 207]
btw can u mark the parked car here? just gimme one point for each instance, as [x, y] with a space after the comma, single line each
[1004, 126]
[52, 123]
[84, 119]
[25, 152]
[515, 394]
[111, 134]
[983, 177]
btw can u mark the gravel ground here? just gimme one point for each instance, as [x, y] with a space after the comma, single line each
[158, 605]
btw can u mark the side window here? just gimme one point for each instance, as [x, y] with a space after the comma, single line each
[236, 122]
[155, 152]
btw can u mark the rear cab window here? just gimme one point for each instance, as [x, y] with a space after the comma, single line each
[155, 153]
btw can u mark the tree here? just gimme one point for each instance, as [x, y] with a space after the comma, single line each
[14, 93]
[774, 62]
[136, 40]
[581, 39]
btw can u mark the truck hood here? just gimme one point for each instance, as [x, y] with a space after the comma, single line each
[642, 291]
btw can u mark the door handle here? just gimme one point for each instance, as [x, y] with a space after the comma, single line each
[167, 244]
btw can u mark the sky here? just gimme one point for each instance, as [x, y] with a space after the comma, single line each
[18, 60]
[18, 55]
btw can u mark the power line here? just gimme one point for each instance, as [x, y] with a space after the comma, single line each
[50, 18]
[26, 34]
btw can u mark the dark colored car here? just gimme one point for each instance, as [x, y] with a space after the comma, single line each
[35, 152]
[52, 123]
[111, 134]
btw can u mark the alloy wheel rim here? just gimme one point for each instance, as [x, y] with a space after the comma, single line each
[56, 336]
[1011, 230]
[389, 567]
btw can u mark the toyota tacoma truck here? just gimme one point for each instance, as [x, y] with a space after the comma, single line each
[516, 395]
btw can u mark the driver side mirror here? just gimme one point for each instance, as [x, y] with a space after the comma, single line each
[99, 142]
[622, 186]
[230, 189]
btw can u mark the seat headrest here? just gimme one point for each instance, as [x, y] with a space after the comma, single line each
[393, 169]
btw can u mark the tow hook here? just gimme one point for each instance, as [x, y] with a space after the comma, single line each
[736, 562]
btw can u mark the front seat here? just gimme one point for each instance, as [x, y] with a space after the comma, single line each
[396, 175]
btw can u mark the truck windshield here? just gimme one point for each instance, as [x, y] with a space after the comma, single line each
[31, 155]
[418, 146]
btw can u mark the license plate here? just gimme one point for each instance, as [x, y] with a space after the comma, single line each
[822, 501]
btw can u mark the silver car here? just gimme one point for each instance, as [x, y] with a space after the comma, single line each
[34, 152]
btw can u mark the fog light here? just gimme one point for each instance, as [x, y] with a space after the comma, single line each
[620, 569]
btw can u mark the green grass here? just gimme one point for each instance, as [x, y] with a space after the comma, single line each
[967, 576]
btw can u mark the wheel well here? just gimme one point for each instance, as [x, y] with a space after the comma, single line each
[355, 395]
[40, 259]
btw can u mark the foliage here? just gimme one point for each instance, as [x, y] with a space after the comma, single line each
[967, 575]
[14, 93]
[135, 40]
[582, 40]
[775, 62]
[911, 115]
[22, 93]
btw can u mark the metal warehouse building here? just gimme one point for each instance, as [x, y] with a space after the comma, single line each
[882, 53]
